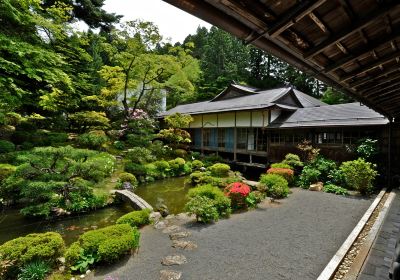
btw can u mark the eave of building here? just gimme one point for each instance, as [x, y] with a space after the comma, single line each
[353, 46]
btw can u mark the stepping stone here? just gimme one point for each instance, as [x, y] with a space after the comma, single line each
[179, 235]
[155, 217]
[185, 245]
[170, 275]
[172, 229]
[174, 260]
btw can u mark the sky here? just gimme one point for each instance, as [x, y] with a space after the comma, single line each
[172, 22]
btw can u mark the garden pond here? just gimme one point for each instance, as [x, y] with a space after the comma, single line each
[171, 192]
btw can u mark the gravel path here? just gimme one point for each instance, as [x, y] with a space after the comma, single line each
[291, 240]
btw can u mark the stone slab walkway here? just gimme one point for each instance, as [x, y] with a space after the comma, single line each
[378, 263]
[292, 239]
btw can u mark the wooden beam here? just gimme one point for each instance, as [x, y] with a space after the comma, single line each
[258, 7]
[355, 27]
[318, 22]
[372, 79]
[348, 10]
[245, 13]
[363, 51]
[293, 15]
[370, 66]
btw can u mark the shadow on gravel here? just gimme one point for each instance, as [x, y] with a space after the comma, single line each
[109, 269]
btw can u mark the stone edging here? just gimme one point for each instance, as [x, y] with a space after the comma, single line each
[330, 269]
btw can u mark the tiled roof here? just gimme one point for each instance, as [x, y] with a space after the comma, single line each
[349, 114]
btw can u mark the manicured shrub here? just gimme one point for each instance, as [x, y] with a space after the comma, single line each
[277, 186]
[237, 192]
[56, 138]
[6, 170]
[308, 176]
[73, 253]
[93, 140]
[203, 208]
[212, 159]
[140, 155]
[253, 199]
[136, 218]
[330, 188]
[137, 169]
[286, 173]
[180, 153]
[221, 202]
[197, 164]
[281, 165]
[34, 247]
[35, 270]
[119, 145]
[324, 166]
[177, 166]
[6, 146]
[220, 170]
[128, 178]
[359, 175]
[107, 244]
[293, 160]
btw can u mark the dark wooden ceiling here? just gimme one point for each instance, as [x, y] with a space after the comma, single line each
[353, 45]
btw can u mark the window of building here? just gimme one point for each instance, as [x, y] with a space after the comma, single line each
[241, 138]
[262, 139]
[328, 138]
[275, 138]
[206, 137]
[251, 139]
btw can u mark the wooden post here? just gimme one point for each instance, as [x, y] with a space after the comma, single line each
[234, 140]
[389, 171]
[202, 136]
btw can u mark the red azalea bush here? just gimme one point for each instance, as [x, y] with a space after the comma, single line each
[237, 192]
[286, 173]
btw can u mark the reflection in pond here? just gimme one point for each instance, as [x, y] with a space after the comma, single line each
[172, 192]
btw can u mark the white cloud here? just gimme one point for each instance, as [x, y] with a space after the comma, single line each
[172, 22]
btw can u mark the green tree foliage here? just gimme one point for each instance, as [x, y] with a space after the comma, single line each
[332, 96]
[175, 134]
[57, 177]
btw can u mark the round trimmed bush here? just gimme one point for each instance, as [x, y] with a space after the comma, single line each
[221, 202]
[281, 165]
[127, 177]
[359, 175]
[93, 140]
[6, 146]
[197, 164]
[6, 170]
[37, 246]
[220, 170]
[135, 218]
[203, 208]
[277, 186]
[286, 173]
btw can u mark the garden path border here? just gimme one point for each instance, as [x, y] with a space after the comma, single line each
[331, 268]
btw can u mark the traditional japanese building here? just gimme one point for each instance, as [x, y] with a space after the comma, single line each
[249, 125]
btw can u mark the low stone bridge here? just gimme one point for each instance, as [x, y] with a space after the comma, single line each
[136, 201]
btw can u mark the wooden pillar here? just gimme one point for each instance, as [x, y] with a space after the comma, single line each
[389, 169]
[202, 136]
[234, 140]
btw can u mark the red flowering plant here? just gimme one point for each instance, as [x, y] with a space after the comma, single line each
[237, 192]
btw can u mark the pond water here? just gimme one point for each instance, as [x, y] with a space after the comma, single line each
[171, 192]
[13, 224]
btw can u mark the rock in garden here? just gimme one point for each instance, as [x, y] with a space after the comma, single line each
[174, 260]
[160, 225]
[172, 229]
[155, 217]
[127, 186]
[316, 187]
[170, 275]
[179, 235]
[185, 245]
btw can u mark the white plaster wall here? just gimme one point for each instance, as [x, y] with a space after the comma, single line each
[226, 120]
[210, 120]
[197, 121]
[257, 119]
[275, 114]
[243, 119]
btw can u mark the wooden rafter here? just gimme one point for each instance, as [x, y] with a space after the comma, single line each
[377, 86]
[385, 73]
[319, 22]
[293, 15]
[370, 66]
[347, 9]
[355, 27]
[384, 90]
